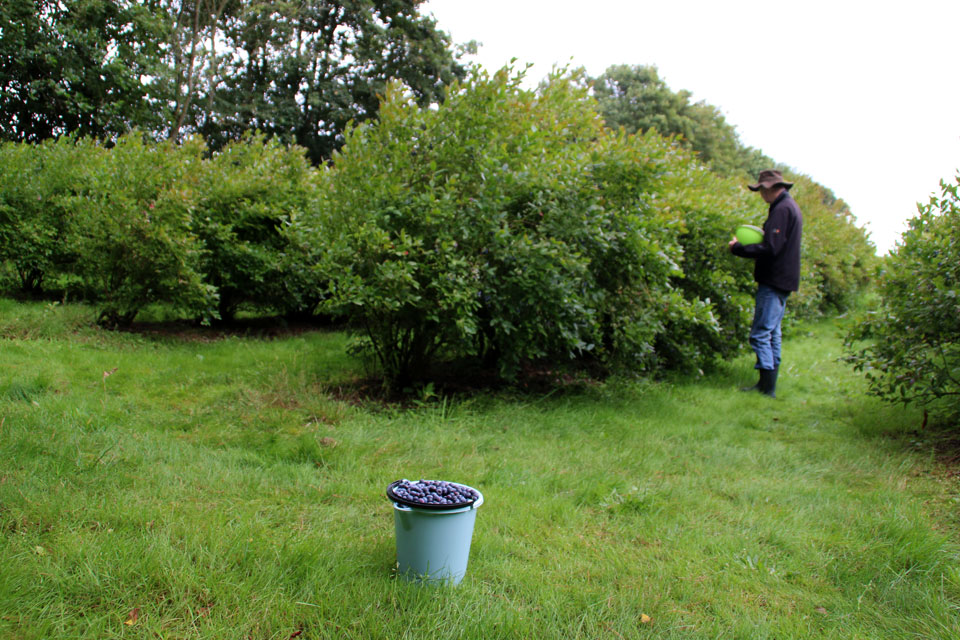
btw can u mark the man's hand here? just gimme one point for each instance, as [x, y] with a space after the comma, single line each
[732, 242]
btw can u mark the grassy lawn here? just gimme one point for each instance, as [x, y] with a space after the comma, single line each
[217, 489]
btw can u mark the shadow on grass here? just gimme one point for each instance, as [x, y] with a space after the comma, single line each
[260, 327]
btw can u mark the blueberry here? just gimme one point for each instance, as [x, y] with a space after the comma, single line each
[434, 492]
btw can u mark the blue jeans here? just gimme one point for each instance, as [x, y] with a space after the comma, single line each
[765, 335]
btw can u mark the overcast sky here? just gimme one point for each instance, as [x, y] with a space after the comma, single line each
[862, 97]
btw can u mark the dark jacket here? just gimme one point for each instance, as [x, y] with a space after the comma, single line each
[778, 256]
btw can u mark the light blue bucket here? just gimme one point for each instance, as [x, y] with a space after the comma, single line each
[433, 545]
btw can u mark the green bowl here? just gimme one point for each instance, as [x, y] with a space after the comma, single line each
[749, 234]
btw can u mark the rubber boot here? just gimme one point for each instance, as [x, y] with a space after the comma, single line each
[756, 385]
[768, 382]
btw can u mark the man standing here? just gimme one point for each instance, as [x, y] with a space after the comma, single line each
[777, 272]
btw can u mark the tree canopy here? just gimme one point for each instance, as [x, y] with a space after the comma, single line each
[635, 98]
[298, 71]
[76, 67]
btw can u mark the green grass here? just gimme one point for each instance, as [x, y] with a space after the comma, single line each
[219, 489]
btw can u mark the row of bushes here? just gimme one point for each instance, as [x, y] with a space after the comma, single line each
[140, 223]
[504, 226]
[909, 346]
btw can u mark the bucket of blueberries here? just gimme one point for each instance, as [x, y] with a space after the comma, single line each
[434, 523]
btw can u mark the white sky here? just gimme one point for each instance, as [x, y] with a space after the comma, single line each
[864, 97]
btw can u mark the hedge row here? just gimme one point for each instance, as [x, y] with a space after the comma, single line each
[909, 346]
[503, 227]
[141, 223]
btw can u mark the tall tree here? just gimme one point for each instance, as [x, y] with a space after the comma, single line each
[298, 70]
[192, 58]
[76, 67]
[636, 98]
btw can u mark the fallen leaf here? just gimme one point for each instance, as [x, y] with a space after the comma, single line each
[328, 442]
[645, 619]
[40, 551]
[133, 617]
[107, 374]
[820, 610]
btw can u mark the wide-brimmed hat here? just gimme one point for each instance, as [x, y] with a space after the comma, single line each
[769, 178]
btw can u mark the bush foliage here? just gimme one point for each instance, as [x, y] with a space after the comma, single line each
[510, 226]
[635, 98]
[41, 188]
[247, 194]
[504, 227]
[838, 260]
[912, 351]
[134, 242]
[144, 222]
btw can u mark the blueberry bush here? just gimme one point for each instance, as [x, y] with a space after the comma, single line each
[503, 229]
[134, 243]
[838, 259]
[143, 222]
[248, 193]
[706, 208]
[909, 347]
[43, 186]
[509, 226]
